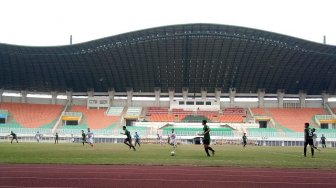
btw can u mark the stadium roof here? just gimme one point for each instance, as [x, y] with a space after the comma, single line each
[194, 56]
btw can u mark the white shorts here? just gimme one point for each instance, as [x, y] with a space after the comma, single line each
[90, 140]
[173, 142]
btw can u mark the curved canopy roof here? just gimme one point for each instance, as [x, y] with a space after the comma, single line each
[194, 56]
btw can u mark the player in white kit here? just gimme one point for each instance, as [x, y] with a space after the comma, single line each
[90, 137]
[173, 141]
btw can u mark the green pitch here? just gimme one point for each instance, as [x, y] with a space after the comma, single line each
[151, 154]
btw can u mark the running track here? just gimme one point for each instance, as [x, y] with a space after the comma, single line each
[22, 175]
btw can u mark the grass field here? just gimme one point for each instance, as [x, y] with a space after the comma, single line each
[150, 154]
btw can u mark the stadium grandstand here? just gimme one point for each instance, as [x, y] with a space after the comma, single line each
[241, 80]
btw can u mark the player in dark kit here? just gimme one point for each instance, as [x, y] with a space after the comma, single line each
[83, 137]
[308, 139]
[323, 140]
[128, 139]
[244, 140]
[56, 138]
[13, 137]
[206, 138]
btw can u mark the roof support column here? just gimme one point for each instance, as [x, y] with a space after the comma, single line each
[218, 93]
[90, 93]
[261, 95]
[281, 95]
[157, 92]
[185, 93]
[111, 94]
[1, 92]
[232, 94]
[325, 97]
[171, 93]
[129, 97]
[53, 97]
[302, 97]
[69, 97]
[203, 93]
[24, 96]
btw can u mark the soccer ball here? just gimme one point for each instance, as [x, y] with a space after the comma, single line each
[172, 153]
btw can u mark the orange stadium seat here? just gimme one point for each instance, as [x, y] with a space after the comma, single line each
[162, 118]
[32, 115]
[157, 110]
[258, 111]
[95, 118]
[294, 119]
[230, 119]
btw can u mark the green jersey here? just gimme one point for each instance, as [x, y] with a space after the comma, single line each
[206, 135]
[13, 134]
[309, 133]
[244, 138]
[128, 134]
[323, 139]
[83, 136]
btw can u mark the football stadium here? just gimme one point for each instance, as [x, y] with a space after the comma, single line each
[240, 80]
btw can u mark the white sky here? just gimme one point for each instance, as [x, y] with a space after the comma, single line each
[51, 22]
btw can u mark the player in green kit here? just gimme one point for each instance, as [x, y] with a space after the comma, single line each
[323, 140]
[244, 140]
[128, 139]
[14, 137]
[206, 138]
[83, 137]
[56, 138]
[308, 139]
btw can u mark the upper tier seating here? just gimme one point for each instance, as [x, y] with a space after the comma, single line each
[294, 119]
[95, 118]
[33, 115]
[230, 119]
[258, 112]
[114, 111]
[234, 111]
[159, 114]
[157, 110]
[133, 112]
[162, 118]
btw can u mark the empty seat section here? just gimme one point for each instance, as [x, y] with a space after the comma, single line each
[33, 115]
[162, 118]
[157, 110]
[230, 119]
[294, 119]
[180, 113]
[234, 111]
[258, 112]
[114, 111]
[133, 112]
[95, 118]
[159, 114]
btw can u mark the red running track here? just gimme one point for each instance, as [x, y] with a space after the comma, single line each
[33, 175]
